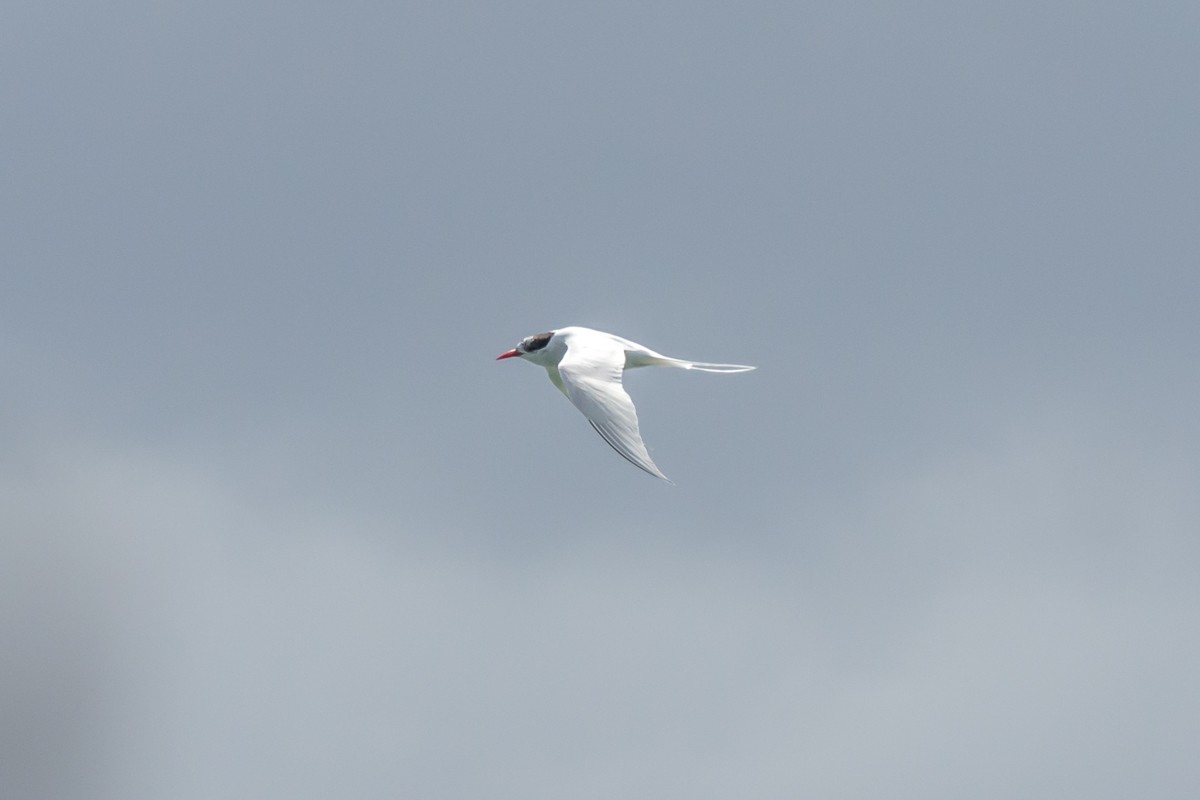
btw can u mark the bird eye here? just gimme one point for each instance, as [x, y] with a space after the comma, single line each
[536, 342]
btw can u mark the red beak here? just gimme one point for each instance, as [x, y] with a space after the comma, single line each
[509, 354]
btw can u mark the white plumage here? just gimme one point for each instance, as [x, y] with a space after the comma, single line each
[587, 366]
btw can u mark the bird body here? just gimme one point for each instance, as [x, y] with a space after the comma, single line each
[587, 366]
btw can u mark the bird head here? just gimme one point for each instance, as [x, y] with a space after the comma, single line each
[531, 346]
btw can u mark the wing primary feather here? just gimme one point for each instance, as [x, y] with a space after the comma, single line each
[608, 440]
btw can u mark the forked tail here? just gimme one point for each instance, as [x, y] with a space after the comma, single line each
[648, 358]
[705, 367]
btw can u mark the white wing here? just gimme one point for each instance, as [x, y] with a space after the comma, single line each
[591, 373]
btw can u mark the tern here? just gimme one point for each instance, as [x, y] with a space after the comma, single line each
[587, 367]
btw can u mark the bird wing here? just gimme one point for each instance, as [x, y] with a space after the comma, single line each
[591, 373]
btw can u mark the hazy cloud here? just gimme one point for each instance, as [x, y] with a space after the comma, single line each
[275, 524]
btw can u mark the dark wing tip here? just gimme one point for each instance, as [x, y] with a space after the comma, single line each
[608, 440]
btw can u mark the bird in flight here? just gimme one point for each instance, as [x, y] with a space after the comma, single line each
[587, 367]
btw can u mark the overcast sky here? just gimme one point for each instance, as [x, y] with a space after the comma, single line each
[274, 523]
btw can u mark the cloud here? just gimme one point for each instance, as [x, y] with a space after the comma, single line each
[982, 623]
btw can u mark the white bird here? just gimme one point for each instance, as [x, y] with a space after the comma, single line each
[587, 366]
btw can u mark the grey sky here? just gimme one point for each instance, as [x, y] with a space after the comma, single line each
[275, 524]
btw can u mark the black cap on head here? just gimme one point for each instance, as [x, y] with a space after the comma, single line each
[537, 342]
